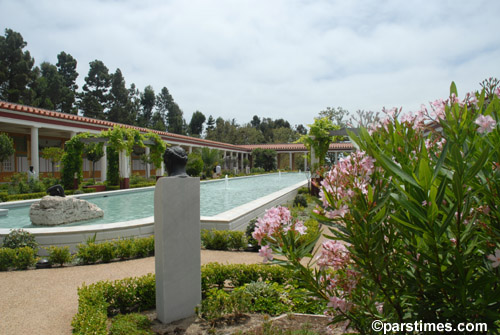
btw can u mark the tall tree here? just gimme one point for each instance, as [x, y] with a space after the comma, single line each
[300, 129]
[210, 123]
[196, 124]
[119, 100]
[66, 66]
[48, 87]
[15, 68]
[147, 104]
[134, 103]
[255, 121]
[167, 105]
[95, 91]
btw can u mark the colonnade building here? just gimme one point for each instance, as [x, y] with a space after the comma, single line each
[34, 129]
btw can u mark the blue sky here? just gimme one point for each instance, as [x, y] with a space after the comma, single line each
[280, 59]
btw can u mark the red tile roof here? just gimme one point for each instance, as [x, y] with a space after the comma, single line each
[86, 123]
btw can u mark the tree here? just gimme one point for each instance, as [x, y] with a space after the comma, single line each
[95, 91]
[147, 104]
[119, 100]
[53, 154]
[264, 158]
[336, 115]
[364, 118]
[49, 87]
[300, 129]
[15, 68]
[134, 103]
[166, 105]
[210, 123]
[284, 135]
[66, 67]
[210, 158]
[196, 124]
[255, 121]
[94, 152]
[248, 135]
[6, 148]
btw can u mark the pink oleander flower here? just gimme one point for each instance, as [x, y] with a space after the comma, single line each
[300, 228]
[339, 303]
[495, 258]
[438, 108]
[486, 123]
[267, 253]
[333, 254]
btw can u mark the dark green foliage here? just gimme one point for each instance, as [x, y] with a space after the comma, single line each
[106, 251]
[194, 165]
[113, 177]
[144, 247]
[95, 91]
[59, 255]
[264, 158]
[66, 66]
[15, 68]
[196, 124]
[120, 101]
[299, 200]
[87, 253]
[124, 248]
[248, 233]
[130, 324]
[19, 238]
[168, 107]
[147, 105]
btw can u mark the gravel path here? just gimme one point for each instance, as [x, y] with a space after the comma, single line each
[44, 301]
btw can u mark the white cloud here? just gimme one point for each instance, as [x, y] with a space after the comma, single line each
[280, 58]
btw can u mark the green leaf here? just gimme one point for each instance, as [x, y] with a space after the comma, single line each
[453, 88]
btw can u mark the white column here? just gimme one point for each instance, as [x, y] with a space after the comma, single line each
[35, 162]
[124, 164]
[148, 166]
[305, 161]
[190, 149]
[72, 134]
[291, 160]
[160, 171]
[104, 165]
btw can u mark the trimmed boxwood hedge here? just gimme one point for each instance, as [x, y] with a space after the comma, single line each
[105, 298]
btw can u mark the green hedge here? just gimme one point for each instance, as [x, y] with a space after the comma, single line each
[90, 253]
[97, 301]
[18, 259]
[223, 239]
[37, 195]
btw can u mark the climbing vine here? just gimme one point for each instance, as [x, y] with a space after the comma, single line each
[157, 149]
[72, 160]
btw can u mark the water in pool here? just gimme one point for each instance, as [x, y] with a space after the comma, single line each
[215, 198]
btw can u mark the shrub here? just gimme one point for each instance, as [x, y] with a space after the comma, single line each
[25, 258]
[88, 253]
[130, 324]
[145, 246]
[264, 158]
[248, 233]
[257, 170]
[106, 251]
[25, 196]
[300, 200]
[19, 238]
[223, 239]
[59, 255]
[266, 298]
[7, 258]
[194, 165]
[124, 248]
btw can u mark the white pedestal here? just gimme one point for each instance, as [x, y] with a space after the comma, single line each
[177, 247]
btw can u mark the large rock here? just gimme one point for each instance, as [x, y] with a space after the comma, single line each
[52, 211]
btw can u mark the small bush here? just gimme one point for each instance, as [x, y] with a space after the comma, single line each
[88, 253]
[223, 239]
[59, 255]
[303, 190]
[106, 251]
[25, 258]
[19, 238]
[144, 247]
[248, 233]
[7, 258]
[130, 324]
[124, 248]
[300, 200]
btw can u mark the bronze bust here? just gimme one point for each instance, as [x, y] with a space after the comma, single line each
[175, 159]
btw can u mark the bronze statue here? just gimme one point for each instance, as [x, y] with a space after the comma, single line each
[56, 191]
[175, 159]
